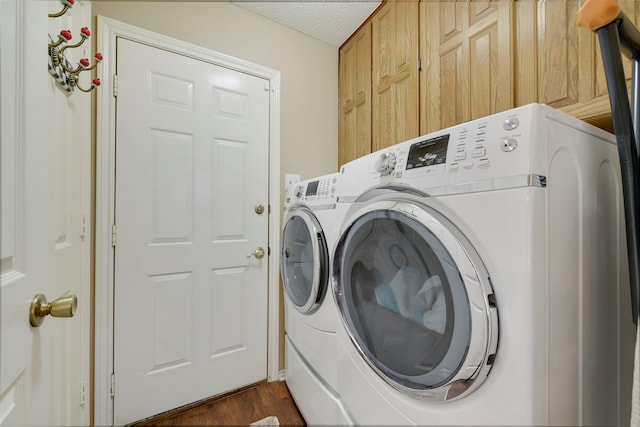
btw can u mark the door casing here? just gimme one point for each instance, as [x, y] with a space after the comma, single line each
[108, 32]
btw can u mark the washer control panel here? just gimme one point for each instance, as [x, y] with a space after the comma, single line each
[318, 190]
[486, 150]
[470, 146]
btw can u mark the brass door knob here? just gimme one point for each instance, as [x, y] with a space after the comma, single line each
[65, 306]
[258, 253]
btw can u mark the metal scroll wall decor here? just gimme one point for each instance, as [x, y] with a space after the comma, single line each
[67, 76]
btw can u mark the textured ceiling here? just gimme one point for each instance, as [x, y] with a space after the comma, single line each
[330, 21]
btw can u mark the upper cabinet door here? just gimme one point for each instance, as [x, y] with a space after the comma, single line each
[395, 74]
[565, 54]
[354, 93]
[570, 69]
[570, 73]
[469, 61]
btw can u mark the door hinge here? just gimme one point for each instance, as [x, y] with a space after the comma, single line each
[113, 235]
[419, 64]
[115, 85]
[83, 226]
[83, 393]
[112, 385]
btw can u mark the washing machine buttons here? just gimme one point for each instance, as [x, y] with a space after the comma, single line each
[479, 152]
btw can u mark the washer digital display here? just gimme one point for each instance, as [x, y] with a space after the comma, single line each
[312, 188]
[429, 152]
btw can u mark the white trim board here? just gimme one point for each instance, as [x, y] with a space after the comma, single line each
[108, 32]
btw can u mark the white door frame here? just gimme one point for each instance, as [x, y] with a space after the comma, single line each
[108, 32]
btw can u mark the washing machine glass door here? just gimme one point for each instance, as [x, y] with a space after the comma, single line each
[304, 260]
[416, 300]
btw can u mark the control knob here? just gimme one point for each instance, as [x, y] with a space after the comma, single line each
[386, 163]
[511, 123]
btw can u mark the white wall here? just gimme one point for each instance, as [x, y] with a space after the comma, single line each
[308, 72]
[70, 190]
[308, 67]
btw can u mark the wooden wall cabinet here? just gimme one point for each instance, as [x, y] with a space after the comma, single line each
[469, 61]
[570, 70]
[395, 74]
[569, 62]
[434, 64]
[378, 82]
[354, 89]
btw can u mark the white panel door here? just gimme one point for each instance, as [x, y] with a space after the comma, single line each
[191, 164]
[24, 351]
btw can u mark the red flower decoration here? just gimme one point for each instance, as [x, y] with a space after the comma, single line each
[96, 82]
[84, 62]
[84, 32]
[66, 34]
[98, 56]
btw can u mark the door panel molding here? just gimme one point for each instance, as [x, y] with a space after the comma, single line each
[108, 32]
[24, 262]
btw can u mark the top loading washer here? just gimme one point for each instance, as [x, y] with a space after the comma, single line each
[481, 278]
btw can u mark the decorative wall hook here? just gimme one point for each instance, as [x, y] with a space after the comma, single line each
[63, 37]
[67, 4]
[67, 77]
[84, 34]
[85, 65]
[94, 84]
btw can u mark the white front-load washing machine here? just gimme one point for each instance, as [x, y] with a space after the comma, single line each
[481, 278]
[308, 238]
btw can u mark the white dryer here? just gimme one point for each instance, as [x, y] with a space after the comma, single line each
[308, 239]
[481, 278]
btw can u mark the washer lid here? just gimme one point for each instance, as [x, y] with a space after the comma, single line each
[415, 299]
[304, 261]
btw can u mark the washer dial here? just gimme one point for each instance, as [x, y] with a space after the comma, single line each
[386, 163]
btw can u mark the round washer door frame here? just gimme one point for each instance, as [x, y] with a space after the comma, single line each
[319, 278]
[472, 350]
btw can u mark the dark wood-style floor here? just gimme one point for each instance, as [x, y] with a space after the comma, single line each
[240, 408]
